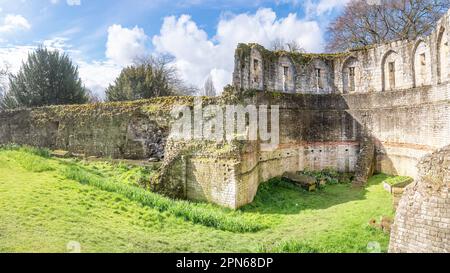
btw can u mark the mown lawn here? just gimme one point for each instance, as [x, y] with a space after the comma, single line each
[46, 203]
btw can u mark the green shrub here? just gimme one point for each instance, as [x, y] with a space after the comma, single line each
[203, 214]
[398, 180]
[330, 176]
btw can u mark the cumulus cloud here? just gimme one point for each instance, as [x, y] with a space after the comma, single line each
[14, 55]
[97, 75]
[197, 55]
[124, 45]
[13, 22]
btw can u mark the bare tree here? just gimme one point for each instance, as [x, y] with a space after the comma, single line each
[365, 22]
[208, 88]
[294, 47]
[93, 97]
[277, 44]
[164, 64]
[280, 44]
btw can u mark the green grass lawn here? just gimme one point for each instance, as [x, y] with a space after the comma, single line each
[45, 203]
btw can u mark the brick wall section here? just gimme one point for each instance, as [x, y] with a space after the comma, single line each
[422, 222]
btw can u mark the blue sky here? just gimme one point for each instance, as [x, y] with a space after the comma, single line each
[103, 36]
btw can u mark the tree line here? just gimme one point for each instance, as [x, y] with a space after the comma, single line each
[51, 78]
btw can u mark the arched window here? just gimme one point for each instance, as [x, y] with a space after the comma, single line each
[350, 75]
[390, 71]
[421, 64]
[442, 56]
[256, 70]
[321, 77]
[286, 75]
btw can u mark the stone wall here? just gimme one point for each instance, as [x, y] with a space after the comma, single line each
[406, 124]
[327, 131]
[422, 222]
[398, 91]
[391, 66]
[316, 133]
[117, 130]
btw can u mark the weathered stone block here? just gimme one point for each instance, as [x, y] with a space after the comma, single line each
[307, 182]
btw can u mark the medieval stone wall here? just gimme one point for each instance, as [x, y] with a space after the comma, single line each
[319, 132]
[127, 130]
[391, 66]
[406, 124]
[422, 222]
[316, 133]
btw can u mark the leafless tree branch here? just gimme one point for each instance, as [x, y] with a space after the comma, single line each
[362, 24]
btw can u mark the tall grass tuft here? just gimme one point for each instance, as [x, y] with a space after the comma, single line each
[196, 213]
[42, 152]
[289, 247]
[29, 158]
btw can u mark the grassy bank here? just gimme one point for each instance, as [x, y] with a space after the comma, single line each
[46, 203]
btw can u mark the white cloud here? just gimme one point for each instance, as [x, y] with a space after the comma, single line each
[97, 75]
[58, 43]
[197, 55]
[125, 45]
[13, 22]
[73, 2]
[69, 2]
[323, 7]
[14, 55]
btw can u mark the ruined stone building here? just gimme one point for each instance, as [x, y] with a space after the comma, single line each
[383, 108]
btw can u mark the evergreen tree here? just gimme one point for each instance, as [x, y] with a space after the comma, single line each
[138, 82]
[46, 78]
[148, 78]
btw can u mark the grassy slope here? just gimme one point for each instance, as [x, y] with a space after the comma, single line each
[40, 211]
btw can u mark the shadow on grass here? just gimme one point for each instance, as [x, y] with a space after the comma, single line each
[280, 197]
